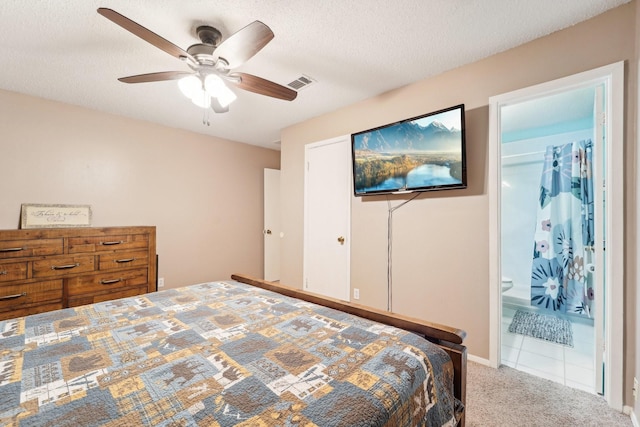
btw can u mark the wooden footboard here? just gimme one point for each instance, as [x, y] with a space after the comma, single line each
[448, 338]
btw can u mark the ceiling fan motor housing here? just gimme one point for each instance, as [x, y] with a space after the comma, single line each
[203, 52]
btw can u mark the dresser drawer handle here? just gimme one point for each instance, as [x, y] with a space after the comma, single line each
[64, 267]
[24, 294]
[115, 242]
[120, 261]
[4, 273]
[12, 249]
[111, 282]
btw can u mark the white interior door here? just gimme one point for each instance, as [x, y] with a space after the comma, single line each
[271, 230]
[327, 217]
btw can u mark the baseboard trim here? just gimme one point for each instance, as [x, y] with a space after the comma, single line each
[629, 411]
[479, 360]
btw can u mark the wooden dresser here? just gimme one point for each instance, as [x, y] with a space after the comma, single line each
[48, 269]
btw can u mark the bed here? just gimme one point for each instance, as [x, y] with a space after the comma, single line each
[236, 352]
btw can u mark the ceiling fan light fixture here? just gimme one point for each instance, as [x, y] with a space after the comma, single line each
[201, 99]
[215, 86]
[190, 86]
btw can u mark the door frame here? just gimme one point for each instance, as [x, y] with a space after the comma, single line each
[345, 139]
[612, 76]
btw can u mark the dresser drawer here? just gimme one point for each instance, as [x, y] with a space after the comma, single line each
[13, 271]
[108, 243]
[63, 266]
[90, 299]
[106, 281]
[126, 259]
[15, 296]
[33, 247]
[26, 310]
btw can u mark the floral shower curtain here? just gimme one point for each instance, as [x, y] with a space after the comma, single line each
[563, 246]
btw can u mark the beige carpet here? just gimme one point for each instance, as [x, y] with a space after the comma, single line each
[507, 397]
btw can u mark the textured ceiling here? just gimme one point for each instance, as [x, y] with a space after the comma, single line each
[354, 49]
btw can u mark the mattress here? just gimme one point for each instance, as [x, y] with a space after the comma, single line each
[218, 354]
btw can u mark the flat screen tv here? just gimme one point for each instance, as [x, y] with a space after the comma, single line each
[423, 153]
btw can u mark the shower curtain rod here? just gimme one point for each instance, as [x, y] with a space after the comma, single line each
[512, 156]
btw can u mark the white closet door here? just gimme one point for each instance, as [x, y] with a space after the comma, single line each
[271, 230]
[327, 217]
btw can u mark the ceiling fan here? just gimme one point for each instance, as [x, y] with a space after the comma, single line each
[211, 63]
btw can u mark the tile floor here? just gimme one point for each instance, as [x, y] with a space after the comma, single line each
[570, 366]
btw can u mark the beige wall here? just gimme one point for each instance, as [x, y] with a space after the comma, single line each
[203, 194]
[440, 245]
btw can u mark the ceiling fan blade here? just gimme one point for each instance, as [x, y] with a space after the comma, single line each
[144, 33]
[263, 87]
[217, 107]
[243, 44]
[155, 77]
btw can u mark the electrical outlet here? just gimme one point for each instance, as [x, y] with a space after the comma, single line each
[160, 282]
[635, 389]
[356, 293]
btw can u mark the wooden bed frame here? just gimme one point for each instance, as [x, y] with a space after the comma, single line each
[448, 338]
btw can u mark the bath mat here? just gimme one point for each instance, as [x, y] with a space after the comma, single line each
[542, 326]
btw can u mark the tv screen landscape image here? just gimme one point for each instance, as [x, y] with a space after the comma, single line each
[423, 153]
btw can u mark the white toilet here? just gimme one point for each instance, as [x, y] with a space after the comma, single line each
[507, 283]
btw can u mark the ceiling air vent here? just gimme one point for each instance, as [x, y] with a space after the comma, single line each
[301, 82]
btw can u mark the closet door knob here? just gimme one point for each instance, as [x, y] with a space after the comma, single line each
[341, 240]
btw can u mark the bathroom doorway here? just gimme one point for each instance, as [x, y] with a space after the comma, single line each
[556, 203]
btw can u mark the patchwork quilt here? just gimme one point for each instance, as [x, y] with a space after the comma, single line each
[218, 354]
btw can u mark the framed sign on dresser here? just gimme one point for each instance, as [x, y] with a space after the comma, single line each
[47, 269]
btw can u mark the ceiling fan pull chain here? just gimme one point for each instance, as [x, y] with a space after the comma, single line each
[205, 117]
